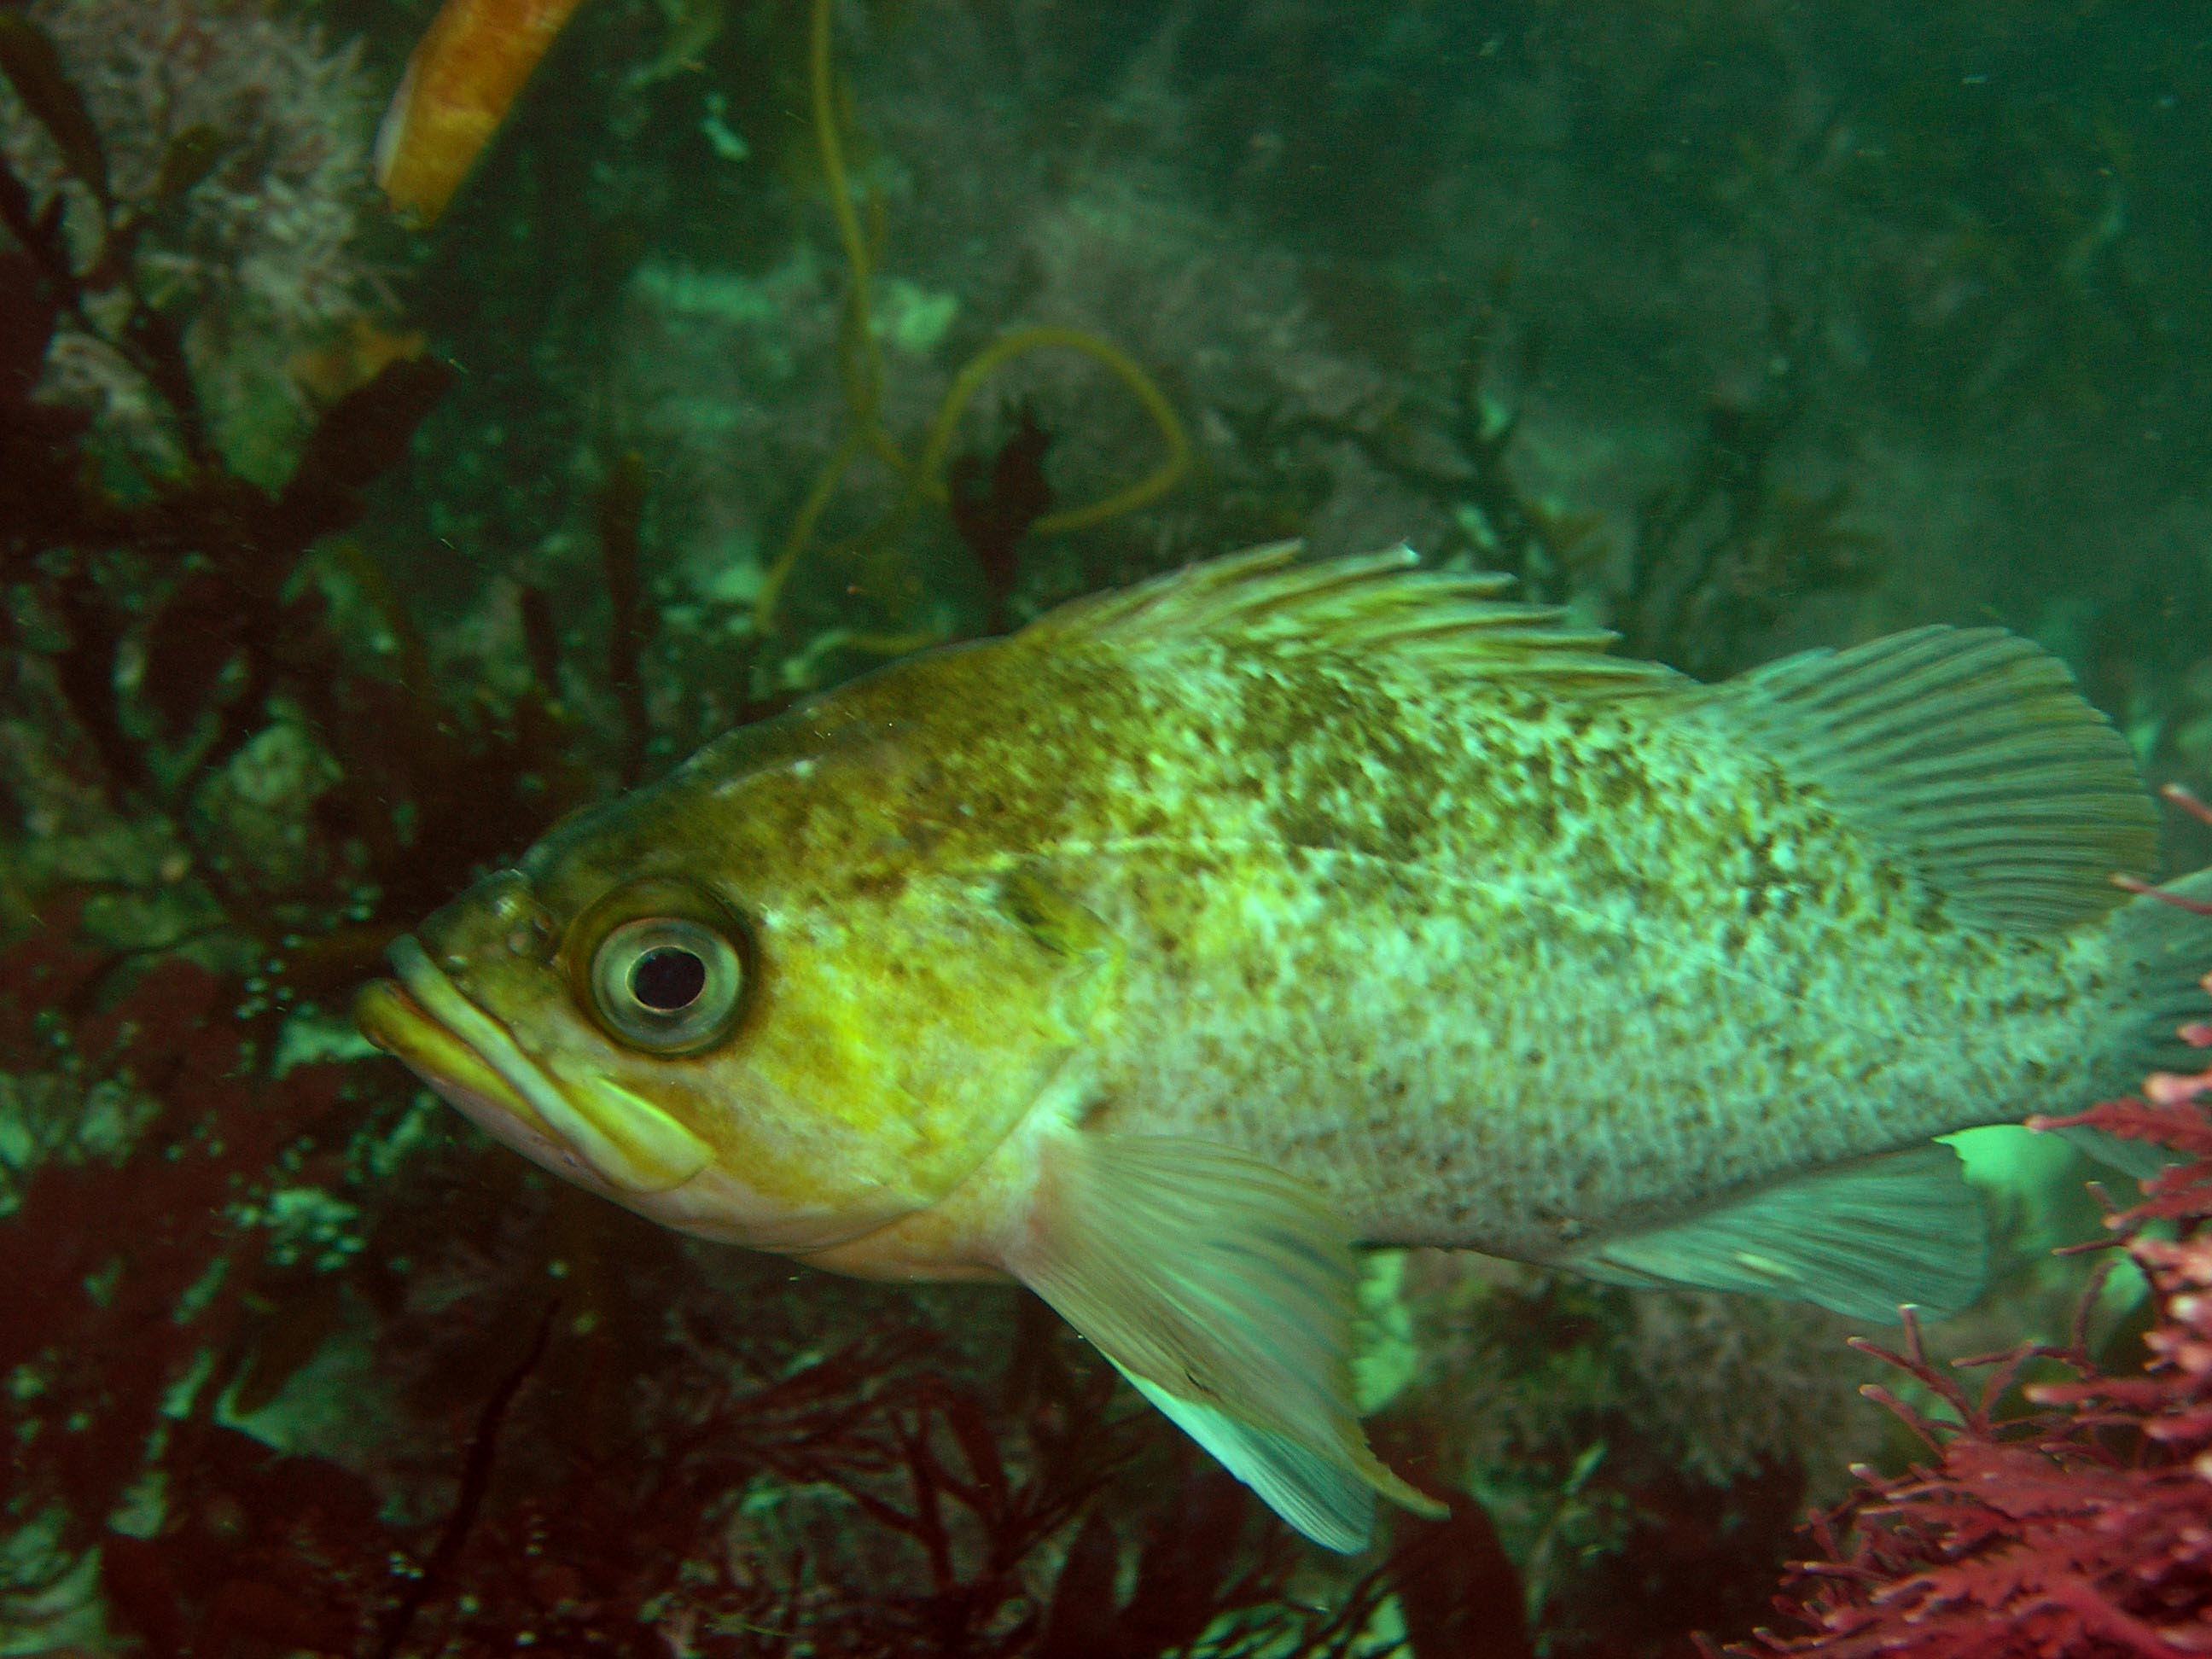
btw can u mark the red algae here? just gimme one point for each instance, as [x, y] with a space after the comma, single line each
[2083, 1525]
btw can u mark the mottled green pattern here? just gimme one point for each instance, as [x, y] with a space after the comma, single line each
[1496, 967]
[1497, 953]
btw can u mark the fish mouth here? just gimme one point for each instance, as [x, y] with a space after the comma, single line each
[427, 1021]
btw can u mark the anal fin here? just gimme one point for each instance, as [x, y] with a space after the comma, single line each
[1860, 1238]
[2138, 1160]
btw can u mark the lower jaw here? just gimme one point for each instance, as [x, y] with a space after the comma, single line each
[395, 1023]
[630, 1144]
[926, 1244]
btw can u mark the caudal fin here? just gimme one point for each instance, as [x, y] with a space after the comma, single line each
[2165, 940]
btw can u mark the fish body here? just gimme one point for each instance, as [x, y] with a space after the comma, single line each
[465, 72]
[1502, 966]
[1157, 953]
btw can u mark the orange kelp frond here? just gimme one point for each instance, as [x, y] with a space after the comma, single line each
[466, 71]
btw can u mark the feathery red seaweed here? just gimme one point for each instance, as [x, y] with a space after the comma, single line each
[2083, 1528]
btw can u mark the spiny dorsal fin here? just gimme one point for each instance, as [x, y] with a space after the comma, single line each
[1969, 753]
[1369, 606]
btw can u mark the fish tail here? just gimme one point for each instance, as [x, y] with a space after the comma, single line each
[2164, 938]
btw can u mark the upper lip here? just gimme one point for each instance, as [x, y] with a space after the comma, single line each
[628, 1141]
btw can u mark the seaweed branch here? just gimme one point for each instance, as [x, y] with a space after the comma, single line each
[924, 476]
[436, 1572]
[1455, 452]
[147, 338]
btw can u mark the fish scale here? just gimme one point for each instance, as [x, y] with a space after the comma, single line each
[1156, 953]
[1588, 969]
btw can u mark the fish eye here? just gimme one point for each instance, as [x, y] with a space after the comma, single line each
[667, 984]
[668, 978]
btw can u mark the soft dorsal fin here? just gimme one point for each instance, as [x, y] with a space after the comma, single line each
[1969, 753]
[1368, 606]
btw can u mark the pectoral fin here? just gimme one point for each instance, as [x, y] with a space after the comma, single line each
[1224, 1292]
[1860, 1238]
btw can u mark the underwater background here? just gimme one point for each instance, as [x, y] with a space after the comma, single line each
[349, 546]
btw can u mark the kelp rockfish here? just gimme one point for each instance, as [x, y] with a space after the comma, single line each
[1157, 954]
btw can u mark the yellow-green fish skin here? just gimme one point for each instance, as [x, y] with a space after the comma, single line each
[1493, 966]
[1153, 954]
[1503, 960]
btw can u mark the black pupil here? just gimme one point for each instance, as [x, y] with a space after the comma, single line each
[668, 979]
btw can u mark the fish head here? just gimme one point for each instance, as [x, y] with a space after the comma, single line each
[747, 1001]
